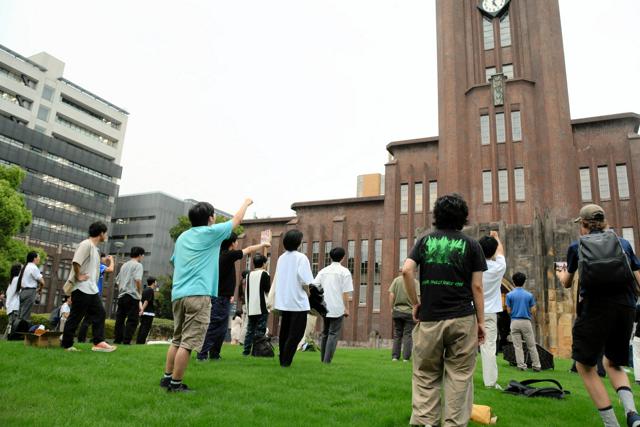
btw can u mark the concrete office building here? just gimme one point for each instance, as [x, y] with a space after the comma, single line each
[69, 141]
[508, 144]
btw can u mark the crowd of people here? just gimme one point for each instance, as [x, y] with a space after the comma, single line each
[439, 321]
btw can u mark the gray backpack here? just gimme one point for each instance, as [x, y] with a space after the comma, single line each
[602, 264]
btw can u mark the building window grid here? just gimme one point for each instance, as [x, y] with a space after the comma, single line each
[315, 257]
[402, 252]
[18, 100]
[603, 183]
[507, 70]
[86, 132]
[487, 187]
[303, 248]
[364, 271]
[351, 253]
[327, 250]
[404, 198]
[485, 130]
[47, 93]
[107, 121]
[133, 219]
[417, 197]
[11, 141]
[489, 72]
[377, 273]
[505, 30]
[43, 113]
[57, 204]
[433, 194]
[503, 186]
[518, 180]
[628, 234]
[22, 79]
[516, 126]
[500, 128]
[623, 181]
[487, 29]
[59, 228]
[67, 185]
[585, 185]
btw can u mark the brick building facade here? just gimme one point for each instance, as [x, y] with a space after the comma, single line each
[508, 145]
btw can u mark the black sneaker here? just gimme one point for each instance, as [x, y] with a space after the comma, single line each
[633, 419]
[182, 388]
[165, 382]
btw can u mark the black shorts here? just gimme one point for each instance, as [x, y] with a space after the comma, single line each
[603, 327]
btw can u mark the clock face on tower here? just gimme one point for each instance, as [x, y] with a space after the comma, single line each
[493, 7]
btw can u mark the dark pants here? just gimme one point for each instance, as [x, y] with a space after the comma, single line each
[218, 324]
[256, 326]
[292, 328]
[403, 325]
[84, 327]
[129, 310]
[330, 336]
[27, 299]
[89, 305]
[145, 327]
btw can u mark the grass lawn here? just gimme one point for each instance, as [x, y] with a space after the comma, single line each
[361, 388]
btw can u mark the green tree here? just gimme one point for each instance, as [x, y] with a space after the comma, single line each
[163, 304]
[184, 224]
[14, 219]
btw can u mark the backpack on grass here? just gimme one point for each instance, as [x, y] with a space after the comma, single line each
[525, 388]
[54, 318]
[603, 266]
[262, 347]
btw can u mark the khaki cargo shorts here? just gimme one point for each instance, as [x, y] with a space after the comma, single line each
[190, 321]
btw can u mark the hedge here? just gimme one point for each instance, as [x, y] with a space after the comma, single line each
[161, 329]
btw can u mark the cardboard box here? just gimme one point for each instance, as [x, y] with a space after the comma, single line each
[46, 340]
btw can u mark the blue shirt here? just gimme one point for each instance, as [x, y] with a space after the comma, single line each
[102, 269]
[629, 297]
[520, 303]
[195, 260]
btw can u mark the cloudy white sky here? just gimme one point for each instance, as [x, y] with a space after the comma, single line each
[286, 100]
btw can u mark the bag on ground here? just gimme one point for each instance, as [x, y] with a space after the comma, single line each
[262, 347]
[525, 388]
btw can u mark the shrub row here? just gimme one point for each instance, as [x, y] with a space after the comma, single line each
[161, 329]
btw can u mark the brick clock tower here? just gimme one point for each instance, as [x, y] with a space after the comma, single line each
[506, 141]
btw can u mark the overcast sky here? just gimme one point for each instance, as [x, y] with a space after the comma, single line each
[286, 100]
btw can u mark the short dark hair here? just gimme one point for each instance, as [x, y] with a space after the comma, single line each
[102, 255]
[97, 228]
[292, 240]
[336, 254]
[136, 251]
[245, 273]
[151, 280]
[226, 243]
[519, 279]
[15, 270]
[259, 260]
[489, 246]
[200, 213]
[450, 212]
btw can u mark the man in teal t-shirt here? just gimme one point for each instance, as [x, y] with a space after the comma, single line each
[195, 281]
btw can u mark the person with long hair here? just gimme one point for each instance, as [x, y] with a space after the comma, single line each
[30, 283]
[13, 298]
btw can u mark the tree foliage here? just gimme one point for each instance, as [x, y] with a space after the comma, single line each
[14, 219]
[163, 298]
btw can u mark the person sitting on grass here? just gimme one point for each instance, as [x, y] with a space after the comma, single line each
[195, 281]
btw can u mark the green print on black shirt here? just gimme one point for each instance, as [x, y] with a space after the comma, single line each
[444, 251]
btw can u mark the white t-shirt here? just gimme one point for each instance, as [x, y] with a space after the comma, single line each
[491, 282]
[335, 281]
[292, 272]
[64, 309]
[13, 297]
[31, 276]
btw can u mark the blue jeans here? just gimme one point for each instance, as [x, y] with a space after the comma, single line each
[218, 324]
[256, 326]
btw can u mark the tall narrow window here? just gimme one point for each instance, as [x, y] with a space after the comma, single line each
[315, 257]
[404, 198]
[507, 70]
[623, 181]
[500, 132]
[585, 184]
[43, 113]
[487, 187]
[505, 30]
[518, 181]
[485, 133]
[351, 255]
[488, 72]
[487, 29]
[516, 126]
[303, 248]
[327, 257]
[47, 93]
[503, 186]
[603, 183]
[433, 194]
[377, 273]
[627, 234]
[402, 252]
[417, 197]
[364, 270]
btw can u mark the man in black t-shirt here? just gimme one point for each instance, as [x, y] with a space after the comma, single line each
[450, 315]
[220, 305]
[147, 311]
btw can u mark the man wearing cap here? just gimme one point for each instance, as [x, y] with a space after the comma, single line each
[604, 323]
